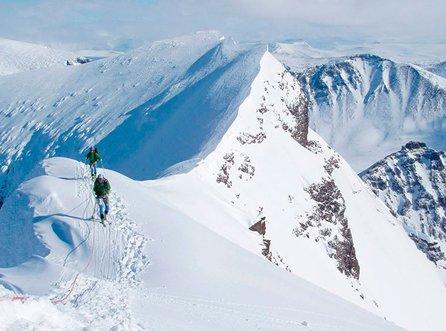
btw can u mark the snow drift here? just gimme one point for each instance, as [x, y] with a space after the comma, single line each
[184, 274]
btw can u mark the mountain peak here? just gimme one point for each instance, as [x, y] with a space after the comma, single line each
[375, 103]
[411, 145]
[411, 182]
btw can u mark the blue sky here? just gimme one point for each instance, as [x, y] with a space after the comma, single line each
[123, 24]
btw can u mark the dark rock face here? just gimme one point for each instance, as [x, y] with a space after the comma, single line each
[328, 216]
[298, 109]
[299, 128]
[280, 108]
[415, 145]
[432, 250]
[412, 183]
[314, 147]
[300, 112]
[78, 60]
[291, 116]
[246, 138]
[246, 169]
[331, 164]
[259, 227]
[223, 175]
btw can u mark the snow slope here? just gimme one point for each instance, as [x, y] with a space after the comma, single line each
[61, 111]
[18, 56]
[366, 106]
[320, 220]
[439, 69]
[411, 182]
[153, 267]
[311, 203]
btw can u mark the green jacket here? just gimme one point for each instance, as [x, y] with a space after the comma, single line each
[93, 157]
[101, 189]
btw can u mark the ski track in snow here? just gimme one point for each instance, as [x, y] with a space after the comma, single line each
[102, 301]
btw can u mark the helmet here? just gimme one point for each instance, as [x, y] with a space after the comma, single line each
[92, 148]
[101, 176]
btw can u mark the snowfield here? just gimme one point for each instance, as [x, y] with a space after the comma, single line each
[182, 276]
[17, 56]
[64, 110]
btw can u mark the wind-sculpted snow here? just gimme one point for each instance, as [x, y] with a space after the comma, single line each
[153, 267]
[412, 183]
[16, 56]
[187, 126]
[366, 106]
[18, 240]
[60, 111]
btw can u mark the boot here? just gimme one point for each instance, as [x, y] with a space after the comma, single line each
[103, 219]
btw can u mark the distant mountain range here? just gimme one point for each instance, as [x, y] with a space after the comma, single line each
[366, 106]
[411, 182]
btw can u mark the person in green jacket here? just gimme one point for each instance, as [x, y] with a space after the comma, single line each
[93, 157]
[101, 190]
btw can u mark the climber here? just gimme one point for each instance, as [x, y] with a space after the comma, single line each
[101, 190]
[93, 157]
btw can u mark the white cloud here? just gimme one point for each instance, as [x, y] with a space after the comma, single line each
[128, 23]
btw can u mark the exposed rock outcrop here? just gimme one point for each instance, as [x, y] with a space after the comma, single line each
[259, 226]
[332, 227]
[412, 183]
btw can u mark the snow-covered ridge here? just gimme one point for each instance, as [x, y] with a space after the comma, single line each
[60, 111]
[439, 69]
[305, 206]
[195, 279]
[18, 56]
[300, 55]
[366, 106]
[412, 183]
